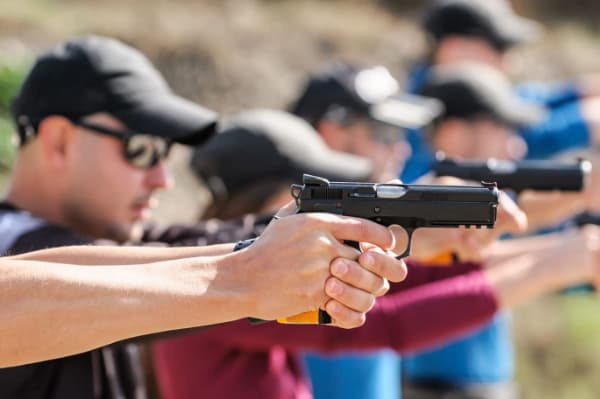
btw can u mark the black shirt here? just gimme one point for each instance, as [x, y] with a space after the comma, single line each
[110, 372]
[80, 376]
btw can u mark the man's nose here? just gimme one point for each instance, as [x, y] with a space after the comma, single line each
[159, 177]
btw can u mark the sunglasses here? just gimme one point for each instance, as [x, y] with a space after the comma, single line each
[385, 133]
[140, 150]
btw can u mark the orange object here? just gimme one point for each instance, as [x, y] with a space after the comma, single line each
[441, 259]
[310, 317]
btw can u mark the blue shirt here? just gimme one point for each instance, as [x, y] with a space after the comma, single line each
[374, 375]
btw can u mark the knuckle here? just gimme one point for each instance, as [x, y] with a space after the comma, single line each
[370, 303]
[360, 320]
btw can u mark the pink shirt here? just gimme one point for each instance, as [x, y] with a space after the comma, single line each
[241, 360]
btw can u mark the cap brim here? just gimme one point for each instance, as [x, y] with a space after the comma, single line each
[338, 166]
[407, 111]
[170, 116]
[517, 30]
[518, 113]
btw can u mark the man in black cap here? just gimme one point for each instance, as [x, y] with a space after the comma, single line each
[485, 28]
[248, 167]
[481, 119]
[278, 150]
[360, 110]
[481, 113]
[484, 31]
[95, 122]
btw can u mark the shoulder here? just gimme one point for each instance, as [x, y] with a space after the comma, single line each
[46, 236]
[21, 232]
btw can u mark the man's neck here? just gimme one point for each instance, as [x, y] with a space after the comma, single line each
[33, 193]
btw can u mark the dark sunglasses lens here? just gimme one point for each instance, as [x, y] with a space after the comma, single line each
[144, 151]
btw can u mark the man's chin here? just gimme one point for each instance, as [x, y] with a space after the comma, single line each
[125, 232]
[136, 231]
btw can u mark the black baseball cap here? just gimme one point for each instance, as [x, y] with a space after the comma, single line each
[468, 90]
[94, 74]
[371, 92]
[494, 20]
[261, 144]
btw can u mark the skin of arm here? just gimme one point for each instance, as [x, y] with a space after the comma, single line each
[549, 208]
[547, 266]
[53, 310]
[120, 255]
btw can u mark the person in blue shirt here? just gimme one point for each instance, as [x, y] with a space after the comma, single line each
[482, 364]
[333, 101]
[483, 31]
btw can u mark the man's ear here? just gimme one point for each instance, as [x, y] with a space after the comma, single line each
[333, 134]
[55, 137]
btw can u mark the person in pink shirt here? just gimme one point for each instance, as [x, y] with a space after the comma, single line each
[433, 305]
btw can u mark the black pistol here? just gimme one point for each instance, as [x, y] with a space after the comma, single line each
[541, 175]
[410, 206]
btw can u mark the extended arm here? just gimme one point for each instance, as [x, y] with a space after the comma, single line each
[434, 312]
[118, 255]
[53, 309]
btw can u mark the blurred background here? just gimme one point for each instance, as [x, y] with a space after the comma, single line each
[233, 54]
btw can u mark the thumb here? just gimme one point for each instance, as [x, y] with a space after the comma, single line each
[287, 210]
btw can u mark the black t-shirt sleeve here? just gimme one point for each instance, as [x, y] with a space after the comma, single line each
[206, 233]
[47, 236]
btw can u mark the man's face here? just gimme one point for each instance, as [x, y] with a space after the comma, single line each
[107, 196]
[455, 48]
[384, 145]
[479, 138]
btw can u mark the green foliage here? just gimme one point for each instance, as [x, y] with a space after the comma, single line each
[11, 75]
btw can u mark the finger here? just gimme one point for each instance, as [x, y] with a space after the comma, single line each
[394, 181]
[510, 217]
[361, 230]
[400, 237]
[351, 297]
[287, 209]
[383, 265]
[344, 317]
[347, 251]
[471, 248]
[353, 274]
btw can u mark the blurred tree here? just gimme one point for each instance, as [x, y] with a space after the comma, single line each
[11, 75]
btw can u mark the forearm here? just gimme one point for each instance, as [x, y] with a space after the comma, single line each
[528, 276]
[546, 209]
[53, 310]
[118, 255]
[501, 251]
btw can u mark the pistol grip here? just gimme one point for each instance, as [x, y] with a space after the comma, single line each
[311, 317]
